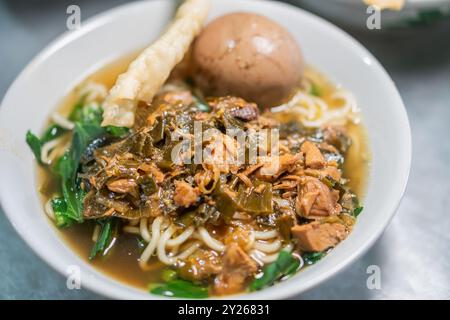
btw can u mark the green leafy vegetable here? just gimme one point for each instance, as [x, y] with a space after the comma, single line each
[270, 275]
[253, 201]
[312, 257]
[35, 143]
[117, 131]
[141, 244]
[315, 90]
[64, 166]
[87, 119]
[245, 199]
[285, 265]
[202, 106]
[157, 132]
[292, 268]
[93, 114]
[181, 289]
[357, 211]
[73, 196]
[169, 275]
[86, 113]
[77, 110]
[225, 199]
[53, 132]
[62, 218]
[105, 237]
[199, 216]
[83, 134]
[67, 167]
[148, 185]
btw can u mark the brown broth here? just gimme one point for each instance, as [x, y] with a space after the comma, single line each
[357, 160]
[121, 261]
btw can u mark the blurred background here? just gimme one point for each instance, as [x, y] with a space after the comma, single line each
[414, 47]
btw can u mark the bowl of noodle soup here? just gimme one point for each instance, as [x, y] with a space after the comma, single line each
[44, 98]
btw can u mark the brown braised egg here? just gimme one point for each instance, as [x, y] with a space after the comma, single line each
[249, 56]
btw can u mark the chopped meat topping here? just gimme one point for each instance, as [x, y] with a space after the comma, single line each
[316, 200]
[151, 168]
[122, 186]
[185, 195]
[272, 170]
[313, 157]
[294, 197]
[238, 108]
[201, 265]
[337, 137]
[237, 269]
[333, 172]
[315, 236]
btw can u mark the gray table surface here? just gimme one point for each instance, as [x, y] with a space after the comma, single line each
[413, 254]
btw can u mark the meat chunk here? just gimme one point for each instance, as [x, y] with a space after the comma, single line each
[96, 206]
[238, 267]
[333, 172]
[237, 107]
[313, 157]
[272, 170]
[246, 113]
[184, 97]
[337, 137]
[201, 265]
[122, 186]
[316, 200]
[185, 194]
[315, 236]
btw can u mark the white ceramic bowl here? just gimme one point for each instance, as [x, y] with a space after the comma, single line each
[353, 13]
[55, 71]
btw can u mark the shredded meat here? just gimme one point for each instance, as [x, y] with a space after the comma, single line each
[271, 171]
[122, 186]
[316, 200]
[247, 113]
[293, 193]
[313, 157]
[237, 268]
[333, 172]
[238, 108]
[326, 147]
[185, 195]
[315, 236]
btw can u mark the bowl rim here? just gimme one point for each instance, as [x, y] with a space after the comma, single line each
[101, 286]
